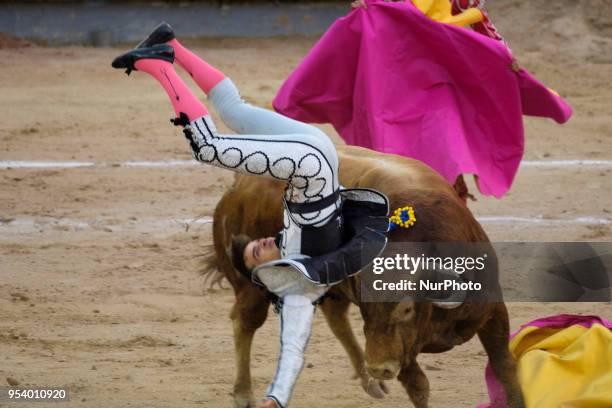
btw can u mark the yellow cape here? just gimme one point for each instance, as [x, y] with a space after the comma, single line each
[565, 367]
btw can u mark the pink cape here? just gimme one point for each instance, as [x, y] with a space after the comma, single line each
[391, 79]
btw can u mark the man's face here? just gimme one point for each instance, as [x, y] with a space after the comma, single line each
[260, 251]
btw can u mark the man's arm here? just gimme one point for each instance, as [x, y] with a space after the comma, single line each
[485, 27]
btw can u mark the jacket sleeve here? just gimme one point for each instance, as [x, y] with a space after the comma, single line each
[485, 27]
[366, 225]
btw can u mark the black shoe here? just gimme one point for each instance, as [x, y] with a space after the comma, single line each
[162, 34]
[160, 51]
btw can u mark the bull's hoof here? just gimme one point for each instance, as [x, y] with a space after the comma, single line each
[373, 387]
[244, 401]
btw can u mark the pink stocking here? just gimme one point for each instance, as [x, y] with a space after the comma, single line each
[180, 95]
[205, 75]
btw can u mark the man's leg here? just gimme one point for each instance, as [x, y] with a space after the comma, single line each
[241, 117]
[205, 75]
[273, 145]
[183, 101]
[305, 161]
[306, 148]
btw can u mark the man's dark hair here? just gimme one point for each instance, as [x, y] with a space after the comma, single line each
[238, 244]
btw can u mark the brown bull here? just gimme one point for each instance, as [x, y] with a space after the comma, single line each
[395, 332]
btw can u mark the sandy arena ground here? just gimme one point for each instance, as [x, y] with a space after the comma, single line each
[99, 290]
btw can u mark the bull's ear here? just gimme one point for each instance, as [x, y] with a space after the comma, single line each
[403, 312]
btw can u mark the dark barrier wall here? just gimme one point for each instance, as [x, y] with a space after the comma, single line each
[105, 22]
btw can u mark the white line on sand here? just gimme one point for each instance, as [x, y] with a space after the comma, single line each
[46, 225]
[163, 163]
[21, 164]
[566, 163]
[16, 164]
[541, 221]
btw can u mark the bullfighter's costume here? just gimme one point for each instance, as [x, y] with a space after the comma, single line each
[325, 227]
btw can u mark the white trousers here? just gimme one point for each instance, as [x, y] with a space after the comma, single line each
[271, 145]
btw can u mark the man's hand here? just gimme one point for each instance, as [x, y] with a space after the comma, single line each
[359, 3]
[515, 65]
[267, 403]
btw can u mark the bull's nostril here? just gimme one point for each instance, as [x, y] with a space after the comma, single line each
[387, 373]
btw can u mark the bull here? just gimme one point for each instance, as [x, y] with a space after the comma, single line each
[395, 333]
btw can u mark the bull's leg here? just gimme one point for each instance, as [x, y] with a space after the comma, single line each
[335, 311]
[416, 384]
[494, 337]
[248, 314]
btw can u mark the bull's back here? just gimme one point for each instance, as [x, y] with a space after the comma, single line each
[441, 215]
[361, 166]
